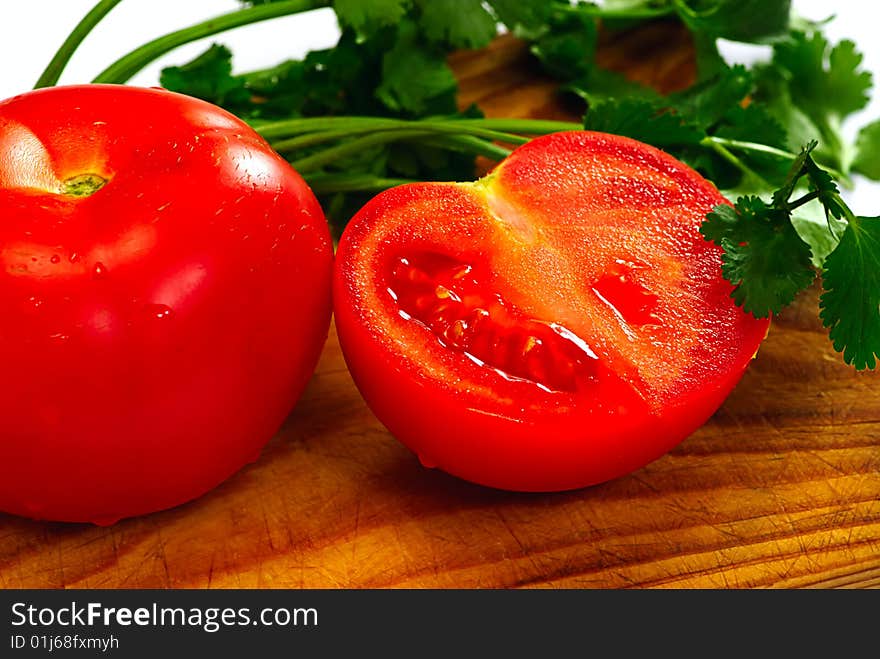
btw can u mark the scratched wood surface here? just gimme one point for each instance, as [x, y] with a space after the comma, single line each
[780, 489]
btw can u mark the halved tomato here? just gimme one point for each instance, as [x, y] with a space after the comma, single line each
[559, 323]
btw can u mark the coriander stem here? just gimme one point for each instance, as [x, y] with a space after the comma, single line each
[447, 128]
[847, 211]
[467, 143]
[291, 127]
[310, 139]
[470, 144]
[753, 146]
[772, 151]
[601, 12]
[327, 156]
[125, 67]
[524, 126]
[57, 64]
[725, 153]
[683, 8]
[810, 196]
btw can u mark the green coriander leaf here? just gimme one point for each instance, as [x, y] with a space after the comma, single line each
[820, 233]
[823, 82]
[367, 17]
[867, 160]
[846, 81]
[722, 222]
[338, 80]
[710, 62]
[769, 271]
[774, 95]
[413, 75]
[280, 91]
[568, 49]
[706, 102]
[598, 85]
[752, 123]
[343, 79]
[209, 77]
[528, 15]
[850, 303]
[642, 120]
[724, 174]
[738, 20]
[764, 257]
[811, 88]
[458, 23]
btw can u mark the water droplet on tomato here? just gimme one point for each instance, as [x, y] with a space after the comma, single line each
[100, 270]
[55, 259]
[159, 311]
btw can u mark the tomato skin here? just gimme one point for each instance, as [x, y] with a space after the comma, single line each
[157, 332]
[509, 434]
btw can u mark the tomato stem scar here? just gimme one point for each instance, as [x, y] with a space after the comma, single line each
[82, 185]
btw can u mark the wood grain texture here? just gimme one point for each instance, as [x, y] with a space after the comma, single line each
[781, 488]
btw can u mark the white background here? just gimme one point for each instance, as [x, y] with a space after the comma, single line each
[31, 31]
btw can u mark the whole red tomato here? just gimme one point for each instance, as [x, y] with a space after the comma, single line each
[165, 294]
[559, 323]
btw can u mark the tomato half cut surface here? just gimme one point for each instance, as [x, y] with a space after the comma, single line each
[559, 323]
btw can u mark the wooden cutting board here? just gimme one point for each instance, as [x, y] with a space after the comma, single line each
[780, 488]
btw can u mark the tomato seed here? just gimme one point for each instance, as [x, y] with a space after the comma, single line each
[451, 301]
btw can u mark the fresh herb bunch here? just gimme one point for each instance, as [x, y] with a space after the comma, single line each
[770, 261]
[380, 108]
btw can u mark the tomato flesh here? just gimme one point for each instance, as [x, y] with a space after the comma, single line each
[559, 323]
[634, 302]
